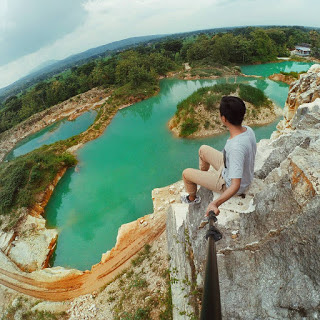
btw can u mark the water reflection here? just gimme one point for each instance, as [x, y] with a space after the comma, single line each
[63, 188]
[262, 85]
[268, 69]
[144, 113]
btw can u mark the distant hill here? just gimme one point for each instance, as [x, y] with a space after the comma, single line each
[42, 73]
[50, 69]
[43, 65]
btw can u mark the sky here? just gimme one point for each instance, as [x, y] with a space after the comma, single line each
[35, 31]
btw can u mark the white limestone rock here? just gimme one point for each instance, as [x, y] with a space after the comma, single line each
[31, 253]
[180, 270]
[54, 273]
[54, 307]
[307, 115]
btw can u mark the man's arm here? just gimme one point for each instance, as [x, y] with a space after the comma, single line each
[226, 195]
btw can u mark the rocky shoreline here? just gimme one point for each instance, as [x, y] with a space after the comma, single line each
[282, 78]
[56, 284]
[71, 109]
[30, 244]
[18, 244]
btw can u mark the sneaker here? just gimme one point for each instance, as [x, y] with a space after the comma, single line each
[185, 199]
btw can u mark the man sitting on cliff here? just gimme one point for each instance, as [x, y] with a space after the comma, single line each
[233, 168]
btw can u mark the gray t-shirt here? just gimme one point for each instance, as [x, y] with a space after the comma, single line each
[239, 153]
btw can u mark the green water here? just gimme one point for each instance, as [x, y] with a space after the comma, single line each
[59, 130]
[268, 69]
[116, 172]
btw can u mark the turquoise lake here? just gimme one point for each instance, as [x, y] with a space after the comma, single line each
[137, 153]
[268, 69]
[59, 130]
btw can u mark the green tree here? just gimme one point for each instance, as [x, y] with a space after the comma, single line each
[104, 73]
[315, 43]
[263, 47]
[242, 50]
[295, 36]
[199, 49]
[278, 36]
[55, 92]
[159, 63]
[128, 60]
[85, 69]
[139, 75]
[224, 48]
[173, 45]
[13, 104]
[184, 50]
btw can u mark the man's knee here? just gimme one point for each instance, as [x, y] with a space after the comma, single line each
[202, 149]
[186, 173]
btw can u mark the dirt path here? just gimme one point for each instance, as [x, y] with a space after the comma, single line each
[131, 239]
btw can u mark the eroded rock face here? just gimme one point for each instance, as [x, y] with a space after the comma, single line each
[305, 127]
[34, 244]
[268, 259]
[304, 90]
[30, 245]
[283, 78]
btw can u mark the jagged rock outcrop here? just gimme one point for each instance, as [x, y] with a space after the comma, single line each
[32, 248]
[268, 260]
[304, 90]
[30, 245]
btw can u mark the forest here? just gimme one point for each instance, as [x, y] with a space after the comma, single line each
[136, 72]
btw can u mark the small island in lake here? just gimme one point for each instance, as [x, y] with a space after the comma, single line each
[198, 115]
[286, 77]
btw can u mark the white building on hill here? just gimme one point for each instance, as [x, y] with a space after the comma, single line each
[302, 50]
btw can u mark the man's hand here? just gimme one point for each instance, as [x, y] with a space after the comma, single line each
[226, 195]
[212, 207]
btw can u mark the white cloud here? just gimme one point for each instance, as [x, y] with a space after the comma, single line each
[3, 17]
[27, 26]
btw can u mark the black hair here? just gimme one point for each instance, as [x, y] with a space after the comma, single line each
[233, 108]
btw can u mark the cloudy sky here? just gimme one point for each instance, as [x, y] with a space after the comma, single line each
[35, 31]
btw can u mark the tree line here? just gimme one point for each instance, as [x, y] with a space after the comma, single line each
[142, 66]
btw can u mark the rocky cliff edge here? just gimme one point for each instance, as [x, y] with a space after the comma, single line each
[268, 259]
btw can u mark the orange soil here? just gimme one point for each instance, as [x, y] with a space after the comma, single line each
[132, 238]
